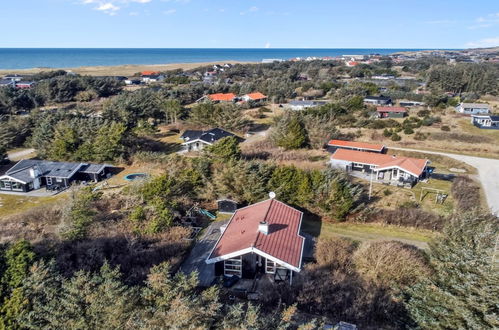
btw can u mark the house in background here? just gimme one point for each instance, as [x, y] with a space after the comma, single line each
[32, 174]
[263, 238]
[473, 108]
[378, 100]
[396, 170]
[391, 112]
[334, 145]
[254, 97]
[299, 105]
[7, 83]
[218, 97]
[485, 121]
[25, 84]
[195, 140]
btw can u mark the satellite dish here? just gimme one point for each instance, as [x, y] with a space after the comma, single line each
[272, 195]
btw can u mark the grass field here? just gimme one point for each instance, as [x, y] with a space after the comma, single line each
[11, 204]
[368, 232]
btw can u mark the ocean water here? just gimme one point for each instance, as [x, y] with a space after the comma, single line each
[24, 58]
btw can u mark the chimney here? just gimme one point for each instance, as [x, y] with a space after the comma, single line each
[263, 227]
[33, 172]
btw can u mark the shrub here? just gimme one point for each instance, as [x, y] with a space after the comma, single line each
[387, 132]
[445, 128]
[396, 137]
[408, 130]
[423, 113]
[393, 263]
[387, 192]
[466, 192]
[420, 136]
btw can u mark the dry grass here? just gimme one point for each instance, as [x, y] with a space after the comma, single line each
[123, 70]
[12, 204]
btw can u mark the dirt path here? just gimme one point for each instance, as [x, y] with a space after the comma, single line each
[488, 173]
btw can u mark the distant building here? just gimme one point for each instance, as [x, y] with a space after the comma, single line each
[391, 112]
[272, 60]
[195, 140]
[255, 97]
[302, 105]
[485, 121]
[411, 104]
[384, 168]
[218, 97]
[7, 83]
[32, 174]
[25, 84]
[378, 100]
[473, 108]
[334, 145]
[15, 77]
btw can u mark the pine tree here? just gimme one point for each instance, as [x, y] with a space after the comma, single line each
[463, 291]
[225, 149]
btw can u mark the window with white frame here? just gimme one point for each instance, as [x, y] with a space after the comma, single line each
[49, 181]
[269, 266]
[233, 266]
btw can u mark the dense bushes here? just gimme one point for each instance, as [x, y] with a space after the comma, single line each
[466, 192]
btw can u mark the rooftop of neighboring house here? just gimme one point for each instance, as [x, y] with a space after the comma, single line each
[377, 98]
[256, 96]
[306, 102]
[474, 105]
[282, 241]
[415, 166]
[391, 109]
[209, 136]
[6, 82]
[491, 117]
[21, 170]
[149, 73]
[222, 96]
[356, 145]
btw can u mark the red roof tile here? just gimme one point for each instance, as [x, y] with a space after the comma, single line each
[356, 145]
[415, 166]
[256, 96]
[222, 97]
[282, 242]
[149, 73]
[391, 109]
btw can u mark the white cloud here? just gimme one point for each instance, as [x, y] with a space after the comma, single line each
[111, 7]
[253, 9]
[487, 42]
[170, 11]
[250, 10]
[485, 21]
[267, 45]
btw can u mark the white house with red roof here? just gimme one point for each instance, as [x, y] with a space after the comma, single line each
[260, 238]
[255, 97]
[383, 168]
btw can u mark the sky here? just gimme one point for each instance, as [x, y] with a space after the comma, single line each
[250, 23]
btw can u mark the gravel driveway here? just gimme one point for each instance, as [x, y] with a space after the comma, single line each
[488, 173]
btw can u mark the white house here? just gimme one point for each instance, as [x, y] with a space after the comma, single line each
[473, 108]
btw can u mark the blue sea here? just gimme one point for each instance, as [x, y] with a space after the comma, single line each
[24, 58]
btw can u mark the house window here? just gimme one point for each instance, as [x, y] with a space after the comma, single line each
[17, 186]
[49, 181]
[58, 180]
[372, 167]
[233, 266]
[5, 185]
[356, 165]
[269, 266]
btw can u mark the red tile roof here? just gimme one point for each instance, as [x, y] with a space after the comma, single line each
[356, 145]
[149, 73]
[282, 242]
[414, 166]
[256, 96]
[222, 97]
[391, 109]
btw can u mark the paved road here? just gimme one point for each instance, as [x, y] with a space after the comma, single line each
[488, 173]
[20, 154]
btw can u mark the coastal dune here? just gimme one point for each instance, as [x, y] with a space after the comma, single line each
[122, 70]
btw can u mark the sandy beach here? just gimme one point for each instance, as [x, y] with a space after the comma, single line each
[122, 70]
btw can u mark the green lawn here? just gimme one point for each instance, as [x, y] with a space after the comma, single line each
[368, 232]
[11, 204]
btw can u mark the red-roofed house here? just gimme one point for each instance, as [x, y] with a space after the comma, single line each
[149, 73]
[334, 145]
[218, 97]
[385, 168]
[391, 112]
[255, 97]
[260, 238]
